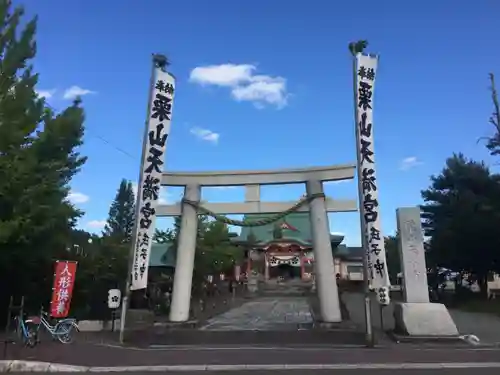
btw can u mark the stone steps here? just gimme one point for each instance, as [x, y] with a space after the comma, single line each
[284, 290]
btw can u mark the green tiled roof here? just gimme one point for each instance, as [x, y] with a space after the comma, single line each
[299, 221]
[349, 252]
[162, 255]
[264, 234]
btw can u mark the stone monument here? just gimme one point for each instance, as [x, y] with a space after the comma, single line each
[416, 316]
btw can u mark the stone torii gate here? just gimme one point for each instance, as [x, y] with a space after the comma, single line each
[317, 205]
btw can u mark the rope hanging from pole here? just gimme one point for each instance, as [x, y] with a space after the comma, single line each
[253, 223]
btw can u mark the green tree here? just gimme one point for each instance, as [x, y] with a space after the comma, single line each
[102, 266]
[251, 239]
[216, 252]
[82, 242]
[461, 215]
[173, 234]
[163, 236]
[38, 159]
[392, 255]
[120, 223]
[493, 142]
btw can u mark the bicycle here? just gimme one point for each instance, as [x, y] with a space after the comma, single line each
[62, 330]
[25, 332]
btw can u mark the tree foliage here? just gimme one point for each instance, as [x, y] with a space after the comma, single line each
[102, 265]
[392, 257]
[120, 223]
[461, 215]
[493, 142]
[214, 251]
[164, 236]
[38, 158]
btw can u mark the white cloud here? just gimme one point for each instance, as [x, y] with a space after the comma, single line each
[134, 187]
[338, 182]
[205, 134]
[96, 224]
[76, 197]
[409, 163]
[218, 188]
[263, 89]
[244, 85]
[75, 91]
[164, 200]
[222, 75]
[47, 94]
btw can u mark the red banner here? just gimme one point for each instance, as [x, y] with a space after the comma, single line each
[64, 279]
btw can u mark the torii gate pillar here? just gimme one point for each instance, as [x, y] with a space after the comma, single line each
[186, 250]
[326, 282]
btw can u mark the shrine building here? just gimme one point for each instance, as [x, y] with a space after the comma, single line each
[284, 249]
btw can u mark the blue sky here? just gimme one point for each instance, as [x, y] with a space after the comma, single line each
[431, 97]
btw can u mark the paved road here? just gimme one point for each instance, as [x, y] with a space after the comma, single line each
[98, 355]
[484, 371]
[264, 314]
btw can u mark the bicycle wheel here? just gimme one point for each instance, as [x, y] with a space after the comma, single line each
[64, 333]
[31, 338]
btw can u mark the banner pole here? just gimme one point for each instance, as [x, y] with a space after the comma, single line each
[156, 61]
[369, 337]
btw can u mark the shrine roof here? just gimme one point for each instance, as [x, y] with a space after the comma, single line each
[284, 240]
[295, 228]
[349, 252]
[162, 255]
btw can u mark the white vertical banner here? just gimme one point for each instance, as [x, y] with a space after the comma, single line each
[366, 70]
[148, 192]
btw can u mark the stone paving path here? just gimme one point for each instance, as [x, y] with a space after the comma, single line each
[264, 314]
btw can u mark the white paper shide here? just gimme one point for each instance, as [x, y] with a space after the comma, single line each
[159, 119]
[366, 70]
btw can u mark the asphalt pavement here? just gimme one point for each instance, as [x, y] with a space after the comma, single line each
[466, 371]
[265, 336]
[86, 354]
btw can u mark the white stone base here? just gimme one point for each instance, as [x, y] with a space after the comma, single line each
[424, 319]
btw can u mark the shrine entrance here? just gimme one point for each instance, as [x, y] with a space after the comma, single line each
[314, 202]
[288, 264]
[285, 271]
